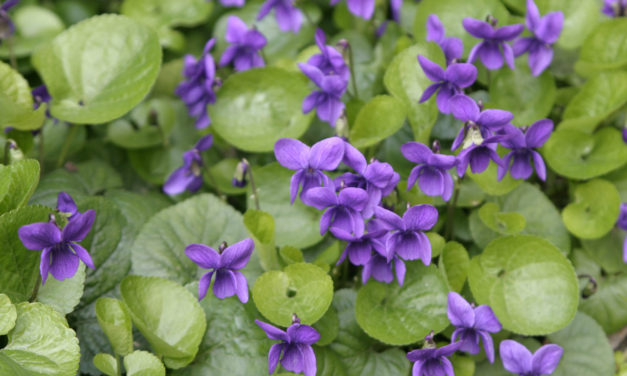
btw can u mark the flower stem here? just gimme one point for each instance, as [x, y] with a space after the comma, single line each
[252, 185]
[33, 296]
[66, 145]
[450, 223]
[351, 66]
[119, 363]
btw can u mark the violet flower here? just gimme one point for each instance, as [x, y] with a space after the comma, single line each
[452, 47]
[343, 209]
[328, 100]
[66, 205]
[448, 82]
[359, 248]
[245, 45]
[294, 351]
[286, 14]
[359, 8]
[485, 122]
[478, 155]
[309, 163]
[615, 8]
[197, 89]
[189, 176]
[408, 240]
[239, 176]
[432, 170]
[225, 263]
[546, 30]
[382, 268]
[522, 153]
[233, 3]
[625, 135]
[40, 96]
[329, 61]
[517, 359]
[7, 28]
[492, 50]
[60, 251]
[433, 361]
[622, 224]
[472, 324]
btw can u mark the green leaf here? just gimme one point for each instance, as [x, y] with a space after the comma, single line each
[233, 343]
[64, 295]
[378, 119]
[580, 18]
[328, 363]
[40, 344]
[106, 364]
[223, 172]
[16, 102]
[490, 185]
[159, 249]
[8, 314]
[503, 223]
[579, 155]
[257, 107]
[437, 242]
[290, 255]
[115, 321]
[20, 266]
[528, 97]
[452, 12]
[328, 327]
[594, 211]
[605, 48]
[402, 315]
[454, 263]
[99, 69]
[608, 306]
[356, 350]
[295, 224]
[261, 227]
[607, 252]
[143, 363]
[598, 99]
[34, 26]
[405, 80]
[586, 349]
[149, 125]
[303, 289]
[168, 316]
[529, 284]
[463, 365]
[20, 182]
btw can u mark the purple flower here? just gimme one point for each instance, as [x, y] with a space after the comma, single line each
[245, 44]
[309, 163]
[522, 153]
[60, 253]
[545, 31]
[625, 135]
[239, 176]
[478, 155]
[383, 269]
[286, 14]
[408, 240]
[294, 351]
[432, 361]
[360, 247]
[66, 205]
[615, 8]
[452, 47]
[485, 122]
[343, 209]
[197, 89]
[7, 28]
[233, 3]
[432, 170]
[489, 50]
[517, 359]
[189, 176]
[328, 100]
[472, 324]
[622, 224]
[447, 83]
[225, 264]
[359, 8]
[396, 7]
[329, 61]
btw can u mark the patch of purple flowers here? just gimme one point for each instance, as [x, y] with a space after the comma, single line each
[189, 176]
[245, 46]
[522, 153]
[448, 83]
[432, 170]
[493, 49]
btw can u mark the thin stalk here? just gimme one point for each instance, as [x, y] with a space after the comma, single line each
[66, 146]
[33, 295]
[12, 53]
[253, 186]
[119, 362]
[7, 150]
[450, 223]
[351, 66]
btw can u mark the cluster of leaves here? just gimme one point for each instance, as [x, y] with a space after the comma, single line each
[546, 256]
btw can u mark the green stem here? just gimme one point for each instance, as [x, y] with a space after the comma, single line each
[252, 185]
[119, 362]
[7, 150]
[450, 223]
[33, 296]
[66, 146]
[351, 66]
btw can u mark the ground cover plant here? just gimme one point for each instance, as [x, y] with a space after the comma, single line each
[322, 187]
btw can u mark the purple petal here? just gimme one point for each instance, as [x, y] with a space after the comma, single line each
[327, 154]
[508, 54]
[288, 17]
[355, 198]
[464, 108]
[63, 264]
[428, 93]
[271, 331]
[474, 51]
[330, 110]
[225, 284]
[550, 27]
[325, 221]
[321, 197]
[312, 72]
[180, 179]
[532, 18]
[508, 32]
[389, 217]
[401, 269]
[416, 152]
[478, 29]
[479, 160]
[65, 203]
[461, 74]
[311, 101]
[538, 133]
[431, 181]
[432, 70]
[516, 358]
[417, 369]
[490, 55]
[203, 285]
[361, 8]
[546, 359]
[79, 226]
[235, 30]
[236, 255]
[293, 359]
[203, 256]
[204, 143]
[486, 320]
[321, 39]
[413, 176]
[302, 334]
[453, 48]
[44, 264]
[381, 270]
[540, 57]
[291, 153]
[448, 186]
[521, 167]
[488, 345]
[443, 98]
[420, 217]
[522, 45]
[242, 287]
[83, 255]
[354, 159]
[274, 355]
[309, 359]
[459, 312]
[295, 182]
[435, 29]
[539, 165]
[40, 235]
[494, 119]
[359, 252]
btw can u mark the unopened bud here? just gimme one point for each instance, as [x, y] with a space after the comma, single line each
[239, 176]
